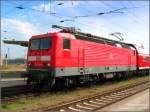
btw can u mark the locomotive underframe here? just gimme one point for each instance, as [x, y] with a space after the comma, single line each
[48, 74]
[40, 75]
[75, 76]
[67, 71]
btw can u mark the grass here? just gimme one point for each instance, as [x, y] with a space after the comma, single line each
[62, 96]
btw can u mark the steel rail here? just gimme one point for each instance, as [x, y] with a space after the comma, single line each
[10, 94]
[98, 101]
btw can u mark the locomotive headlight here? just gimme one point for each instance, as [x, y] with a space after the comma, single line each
[48, 64]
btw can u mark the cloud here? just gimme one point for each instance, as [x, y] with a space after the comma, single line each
[54, 8]
[44, 8]
[20, 27]
[95, 26]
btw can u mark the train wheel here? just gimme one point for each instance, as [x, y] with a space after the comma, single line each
[59, 84]
[67, 82]
[101, 78]
[77, 81]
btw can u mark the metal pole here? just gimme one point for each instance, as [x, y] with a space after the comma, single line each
[0, 61]
[0, 53]
[8, 56]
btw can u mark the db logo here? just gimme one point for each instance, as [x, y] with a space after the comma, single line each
[111, 56]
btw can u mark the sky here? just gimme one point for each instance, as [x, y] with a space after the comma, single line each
[37, 17]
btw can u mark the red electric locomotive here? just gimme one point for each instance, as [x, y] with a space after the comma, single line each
[70, 56]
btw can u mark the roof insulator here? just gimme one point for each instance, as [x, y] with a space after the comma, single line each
[101, 13]
[61, 21]
[19, 7]
[60, 3]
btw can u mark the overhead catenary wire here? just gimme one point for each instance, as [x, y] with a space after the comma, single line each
[118, 24]
[123, 27]
[130, 13]
[15, 7]
[113, 11]
[56, 15]
[124, 7]
[69, 17]
[139, 20]
[129, 8]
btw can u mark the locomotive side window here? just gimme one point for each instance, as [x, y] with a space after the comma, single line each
[35, 44]
[66, 43]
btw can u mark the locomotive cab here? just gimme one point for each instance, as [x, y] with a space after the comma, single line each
[40, 58]
[40, 53]
[48, 55]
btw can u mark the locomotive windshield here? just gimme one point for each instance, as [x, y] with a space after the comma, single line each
[40, 44]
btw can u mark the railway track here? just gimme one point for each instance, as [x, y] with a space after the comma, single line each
[98, 101]
[10, 94]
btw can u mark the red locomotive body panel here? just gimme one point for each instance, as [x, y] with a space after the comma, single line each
[143, 61]
[93, 54]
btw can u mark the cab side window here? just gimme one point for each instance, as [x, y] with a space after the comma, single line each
[66, 43]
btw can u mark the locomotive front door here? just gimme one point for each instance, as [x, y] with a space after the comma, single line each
[81, 60]
[129, 61]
